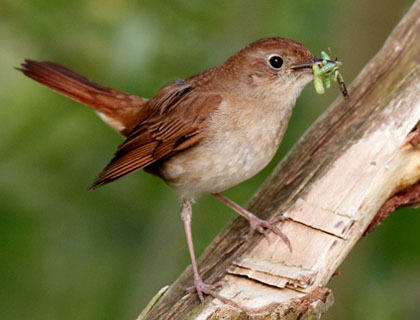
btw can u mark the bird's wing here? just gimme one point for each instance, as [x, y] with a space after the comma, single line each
[179, 115]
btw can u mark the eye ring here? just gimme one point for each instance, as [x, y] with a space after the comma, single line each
[275, 61]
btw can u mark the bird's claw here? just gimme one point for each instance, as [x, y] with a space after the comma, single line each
[262, 226]
[203, 288]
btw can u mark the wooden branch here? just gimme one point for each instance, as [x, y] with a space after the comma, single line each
[331, 185]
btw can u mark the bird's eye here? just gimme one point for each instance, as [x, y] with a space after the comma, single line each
[275, 62]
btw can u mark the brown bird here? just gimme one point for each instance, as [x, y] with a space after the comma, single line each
[204, 134]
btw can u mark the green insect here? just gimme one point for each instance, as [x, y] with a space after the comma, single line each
[324, 71]
[319, 85]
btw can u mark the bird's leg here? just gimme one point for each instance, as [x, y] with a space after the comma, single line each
[199, 285]
[255, 223]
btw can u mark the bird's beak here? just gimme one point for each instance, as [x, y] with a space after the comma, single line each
[308, 64]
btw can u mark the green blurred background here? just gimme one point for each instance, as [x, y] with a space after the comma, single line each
[69, 253]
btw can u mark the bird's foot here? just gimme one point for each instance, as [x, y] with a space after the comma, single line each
[203, 288]
[255, 223]
[262, 226]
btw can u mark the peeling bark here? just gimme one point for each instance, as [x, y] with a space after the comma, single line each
[407, 197]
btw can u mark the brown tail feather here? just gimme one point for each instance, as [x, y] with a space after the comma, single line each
[120, 110]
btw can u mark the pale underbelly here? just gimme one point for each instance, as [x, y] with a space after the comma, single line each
[206, 169]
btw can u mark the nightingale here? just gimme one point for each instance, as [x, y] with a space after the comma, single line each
[204, 134]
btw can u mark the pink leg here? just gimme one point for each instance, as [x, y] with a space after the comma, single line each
[255, 223]
[201, 287]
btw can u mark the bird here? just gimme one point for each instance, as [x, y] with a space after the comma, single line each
[203, 134]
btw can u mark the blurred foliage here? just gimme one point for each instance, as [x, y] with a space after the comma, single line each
[67, 253]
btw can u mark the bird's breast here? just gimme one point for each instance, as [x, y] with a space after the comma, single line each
[236, 147]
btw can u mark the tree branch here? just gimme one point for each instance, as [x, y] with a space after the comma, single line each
[331, 185]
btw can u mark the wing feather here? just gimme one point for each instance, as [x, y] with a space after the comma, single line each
[179, 116]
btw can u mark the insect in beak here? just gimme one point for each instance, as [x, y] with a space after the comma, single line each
[324, 69]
